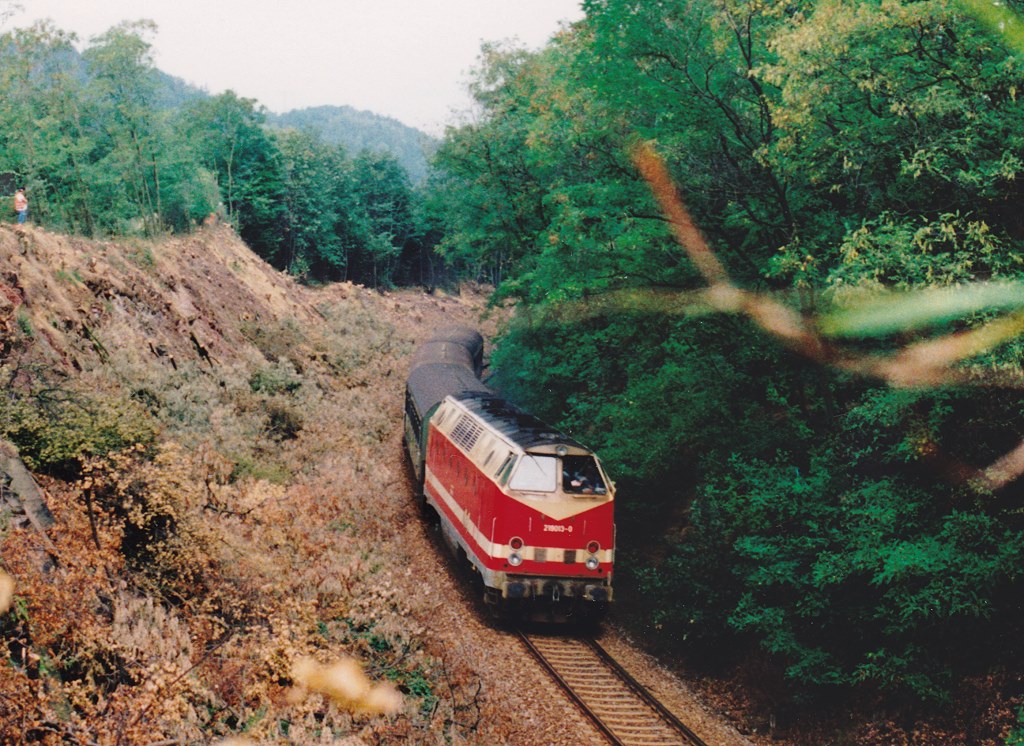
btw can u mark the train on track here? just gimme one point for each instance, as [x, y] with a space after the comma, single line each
[529, 508]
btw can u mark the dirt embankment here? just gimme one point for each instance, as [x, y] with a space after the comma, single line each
[233, 499]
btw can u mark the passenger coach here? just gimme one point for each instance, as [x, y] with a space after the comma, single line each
[530, 508]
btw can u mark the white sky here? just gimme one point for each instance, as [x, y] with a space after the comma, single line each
[407, 59]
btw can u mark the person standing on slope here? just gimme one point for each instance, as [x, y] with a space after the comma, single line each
[21, 205]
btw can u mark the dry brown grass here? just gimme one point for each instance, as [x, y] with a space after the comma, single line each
[194, 576]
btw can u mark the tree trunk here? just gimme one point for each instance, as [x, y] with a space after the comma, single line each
[23, 488]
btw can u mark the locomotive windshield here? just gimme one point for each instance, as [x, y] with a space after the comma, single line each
[535, 474]
[581, 476]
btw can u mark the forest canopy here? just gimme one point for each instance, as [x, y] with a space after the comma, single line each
[842, 160]
[105, 144]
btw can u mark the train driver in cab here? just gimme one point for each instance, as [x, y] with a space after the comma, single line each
[580, 476]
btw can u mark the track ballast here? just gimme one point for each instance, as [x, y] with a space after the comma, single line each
[619, 706]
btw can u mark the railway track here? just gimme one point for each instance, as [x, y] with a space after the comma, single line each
[621, 708]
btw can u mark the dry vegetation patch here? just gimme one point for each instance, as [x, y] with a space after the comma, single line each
[225, 521]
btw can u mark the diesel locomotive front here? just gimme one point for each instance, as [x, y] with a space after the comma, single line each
[531, 509]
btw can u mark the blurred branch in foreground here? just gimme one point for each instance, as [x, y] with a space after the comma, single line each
[345, 684]
[999, 19]
[6, 591]
[927, 363]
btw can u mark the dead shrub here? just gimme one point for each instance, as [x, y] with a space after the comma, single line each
[152, 502]
[278, 341]
[284, 420]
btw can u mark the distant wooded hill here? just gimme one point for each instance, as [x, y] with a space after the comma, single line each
[364, 130]
[338, 125]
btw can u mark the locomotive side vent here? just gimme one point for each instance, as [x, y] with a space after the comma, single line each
[466, 432]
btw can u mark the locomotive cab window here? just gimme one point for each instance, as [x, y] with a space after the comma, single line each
[581, 476]
[535, 474]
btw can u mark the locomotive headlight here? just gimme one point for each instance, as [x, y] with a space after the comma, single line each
[592, 563]
[515, 559]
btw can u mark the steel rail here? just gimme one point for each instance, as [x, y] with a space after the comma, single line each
[567, 688]
[644, 693]
[624, 678]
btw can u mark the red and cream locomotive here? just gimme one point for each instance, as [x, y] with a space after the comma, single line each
[529, 507]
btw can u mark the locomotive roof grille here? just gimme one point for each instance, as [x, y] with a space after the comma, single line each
[466, 432]
[518, 426]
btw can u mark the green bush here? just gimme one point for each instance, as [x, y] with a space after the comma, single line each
[1016, 736]
[56, 430]
[279, 378]
[824, 535]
